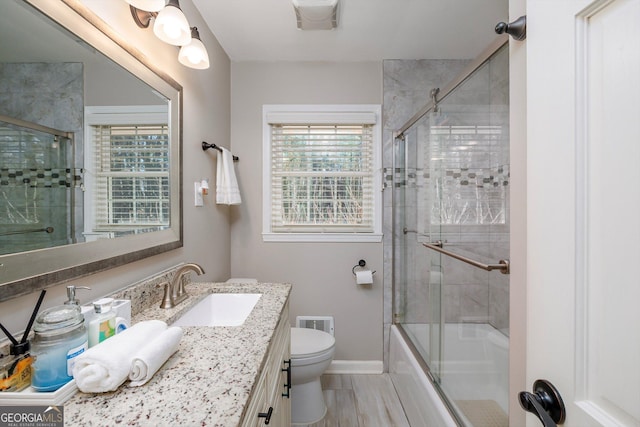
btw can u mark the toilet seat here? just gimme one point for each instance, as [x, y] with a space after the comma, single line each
[310, 343]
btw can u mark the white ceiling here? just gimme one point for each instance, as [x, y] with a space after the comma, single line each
[368, 30]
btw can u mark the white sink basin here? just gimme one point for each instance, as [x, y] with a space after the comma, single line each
[220, 310]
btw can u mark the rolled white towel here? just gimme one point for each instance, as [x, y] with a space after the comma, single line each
[106, 366]
[152, 356]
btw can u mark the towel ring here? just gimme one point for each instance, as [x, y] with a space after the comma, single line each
[360, 264]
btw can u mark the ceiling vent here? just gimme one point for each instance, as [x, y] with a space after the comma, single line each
[316, 14]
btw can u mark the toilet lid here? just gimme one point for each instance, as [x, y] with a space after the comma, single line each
[306, 342]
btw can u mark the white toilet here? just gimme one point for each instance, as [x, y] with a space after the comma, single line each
[311, 355]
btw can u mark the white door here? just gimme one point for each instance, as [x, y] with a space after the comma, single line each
[583, 207]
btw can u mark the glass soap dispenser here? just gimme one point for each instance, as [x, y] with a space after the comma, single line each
[60, 336]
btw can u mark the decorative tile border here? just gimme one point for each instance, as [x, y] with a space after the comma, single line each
[41, 178]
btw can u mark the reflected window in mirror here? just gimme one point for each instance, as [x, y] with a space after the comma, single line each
[127, 160]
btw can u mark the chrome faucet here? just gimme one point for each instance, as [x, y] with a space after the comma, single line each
[174, 292]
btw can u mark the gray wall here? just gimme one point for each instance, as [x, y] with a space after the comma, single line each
[206, 113]
[320, 272]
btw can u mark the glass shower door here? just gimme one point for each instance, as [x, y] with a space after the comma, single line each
[418, 301]
[455, 195]
[36, 188]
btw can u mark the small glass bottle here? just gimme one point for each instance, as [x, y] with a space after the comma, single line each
[15, 369]
[60, 336]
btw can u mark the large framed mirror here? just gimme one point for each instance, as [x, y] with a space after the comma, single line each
[90, 148]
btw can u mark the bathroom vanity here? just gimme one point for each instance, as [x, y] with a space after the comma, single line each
[270, 400]
[220, 376]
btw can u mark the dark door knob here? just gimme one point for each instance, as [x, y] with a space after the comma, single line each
[545, 403]
[517, 29]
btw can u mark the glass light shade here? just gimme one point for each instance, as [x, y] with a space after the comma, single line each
[171, 26]
[147, 5]
[194, 55]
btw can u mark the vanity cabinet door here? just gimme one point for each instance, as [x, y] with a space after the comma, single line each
[276, 373]
[267, 400]
[256, 405]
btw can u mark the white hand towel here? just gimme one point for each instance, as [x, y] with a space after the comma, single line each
[227, 190]
[152, 356]
[106, 366]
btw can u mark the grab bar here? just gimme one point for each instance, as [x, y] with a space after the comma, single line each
[503, 264]
[49, 230]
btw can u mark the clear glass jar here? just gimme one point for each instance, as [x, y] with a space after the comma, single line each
[60, 336]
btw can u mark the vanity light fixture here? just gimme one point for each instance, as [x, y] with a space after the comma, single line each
[147, 5]
[143, 10]
[194, 54]
[171, 26]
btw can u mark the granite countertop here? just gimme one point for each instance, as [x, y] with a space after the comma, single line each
[207, 382]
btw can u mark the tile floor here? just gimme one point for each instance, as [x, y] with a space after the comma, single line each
[371, 401]
[361, 401]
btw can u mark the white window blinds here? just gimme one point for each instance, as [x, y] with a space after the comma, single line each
[322, 178]
[131, 166]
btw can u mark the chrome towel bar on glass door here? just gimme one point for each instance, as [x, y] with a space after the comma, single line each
[48, 230]
[503, 264]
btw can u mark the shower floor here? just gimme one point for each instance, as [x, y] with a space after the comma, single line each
[483, 413]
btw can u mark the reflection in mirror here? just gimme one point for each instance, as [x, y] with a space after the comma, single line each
[36, 182]
[89, 148]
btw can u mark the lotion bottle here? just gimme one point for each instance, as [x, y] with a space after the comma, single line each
[103, 324]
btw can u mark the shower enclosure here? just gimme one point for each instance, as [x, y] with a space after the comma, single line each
[36, 186]
[451, 239]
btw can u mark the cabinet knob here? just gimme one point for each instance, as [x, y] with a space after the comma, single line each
[266, 415]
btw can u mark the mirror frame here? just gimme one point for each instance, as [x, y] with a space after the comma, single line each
[51, 266]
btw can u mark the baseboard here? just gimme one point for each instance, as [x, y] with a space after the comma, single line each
[355, 367]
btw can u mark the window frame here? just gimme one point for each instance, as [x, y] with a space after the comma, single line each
[321, 114]
[111, 116]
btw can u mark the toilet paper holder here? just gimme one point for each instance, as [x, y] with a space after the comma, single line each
[360, 264]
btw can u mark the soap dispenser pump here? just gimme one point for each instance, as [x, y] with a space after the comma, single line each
[71, 294]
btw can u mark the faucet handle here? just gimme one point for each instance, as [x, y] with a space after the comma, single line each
[71, 294]
[167, 298]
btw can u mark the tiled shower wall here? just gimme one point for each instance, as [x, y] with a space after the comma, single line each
[469, 294]
[52, 95]
[406, 87]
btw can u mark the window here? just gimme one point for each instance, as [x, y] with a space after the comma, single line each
[128, 172]
[321, 164]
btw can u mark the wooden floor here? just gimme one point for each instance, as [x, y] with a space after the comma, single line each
[361, 401]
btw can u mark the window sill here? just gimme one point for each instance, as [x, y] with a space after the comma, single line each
[323, 237]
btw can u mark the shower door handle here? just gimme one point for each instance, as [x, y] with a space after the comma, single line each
[545, 403]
